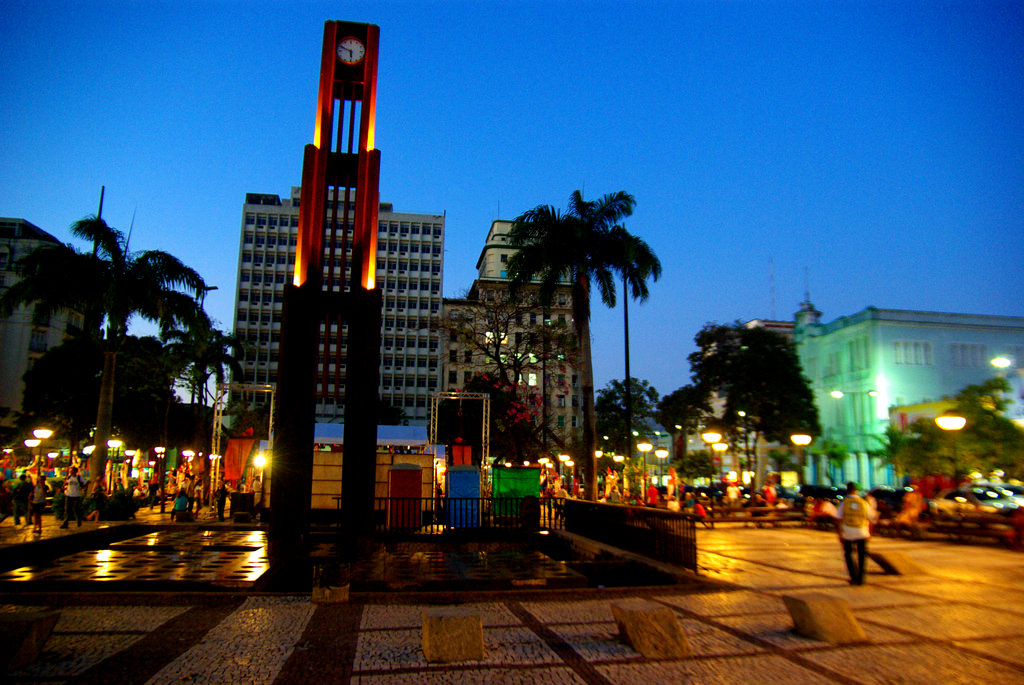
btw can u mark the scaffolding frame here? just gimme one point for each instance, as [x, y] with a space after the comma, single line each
[485, 430]
[218, 415]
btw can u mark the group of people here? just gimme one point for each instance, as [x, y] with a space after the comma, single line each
[30, 496]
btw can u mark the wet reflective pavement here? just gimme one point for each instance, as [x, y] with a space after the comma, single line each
[220, 558]
[961, 622]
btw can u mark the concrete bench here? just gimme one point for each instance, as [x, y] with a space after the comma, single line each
[23, 634]
[452, 634]
[650, 628]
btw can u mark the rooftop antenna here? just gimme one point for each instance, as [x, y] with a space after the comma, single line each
[807, 286]
[771, 282]
[99, 212]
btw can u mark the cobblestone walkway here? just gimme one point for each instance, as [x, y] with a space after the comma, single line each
[963, 622]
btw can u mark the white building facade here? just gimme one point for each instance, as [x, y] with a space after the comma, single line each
[863, 365]
[24, 336]
[410, 258]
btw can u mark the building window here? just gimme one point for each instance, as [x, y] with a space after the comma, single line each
[453, 377]
[913, 353]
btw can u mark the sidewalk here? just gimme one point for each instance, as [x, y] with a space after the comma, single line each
[962, 622]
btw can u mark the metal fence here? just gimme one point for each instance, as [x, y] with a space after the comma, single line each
[404, 516]
[656, 533]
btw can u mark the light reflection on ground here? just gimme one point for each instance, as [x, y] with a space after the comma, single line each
[227, 558]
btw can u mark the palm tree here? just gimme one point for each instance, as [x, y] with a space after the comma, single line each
[207, 353]
[109, 286]
[582, 245]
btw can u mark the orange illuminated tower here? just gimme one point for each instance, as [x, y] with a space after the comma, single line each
[339, 202]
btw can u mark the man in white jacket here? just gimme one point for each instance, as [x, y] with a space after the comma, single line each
[853, 524]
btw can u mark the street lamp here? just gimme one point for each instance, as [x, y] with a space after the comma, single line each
[113, 445]
[160, 465]
[260, 461]
[952, 421]
[801, 440]
[645, 446]
[661, 453]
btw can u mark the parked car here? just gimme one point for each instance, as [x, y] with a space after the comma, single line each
[1014, 492]
[889, 499]
[976, 498]
[830, 492]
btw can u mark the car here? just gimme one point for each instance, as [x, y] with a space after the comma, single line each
[889, 499]
[1014, 492]
[974, 498]
[829, 492]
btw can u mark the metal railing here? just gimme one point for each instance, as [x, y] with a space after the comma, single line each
[656, 533]
[402, 516]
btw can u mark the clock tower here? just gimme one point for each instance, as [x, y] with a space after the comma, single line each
[333, 285]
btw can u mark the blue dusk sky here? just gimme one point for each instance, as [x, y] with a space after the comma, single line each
[877, 147]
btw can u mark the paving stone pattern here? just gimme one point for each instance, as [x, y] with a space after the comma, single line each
[950, 626]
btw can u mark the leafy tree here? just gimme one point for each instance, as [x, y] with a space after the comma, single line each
[697, 464]
[611, 412]
[758, 372]
[207, 354]
[390, 415]
[685, 407]
[988, 441]
[892, 449]
[578, 247]
[109, 285]
[835, 458]
[493, 327]
[61, 388]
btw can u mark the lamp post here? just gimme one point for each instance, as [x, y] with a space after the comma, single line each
[160, 465]
[562, 459]
[259, 462]
[801, 440]
[113, 445]
[952, 421]
[645, 446]
[661, 453]
[711, 435]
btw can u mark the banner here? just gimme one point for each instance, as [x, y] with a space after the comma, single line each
[236, 455]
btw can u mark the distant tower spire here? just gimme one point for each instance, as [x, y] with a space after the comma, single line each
[771, 283]
[808, 315]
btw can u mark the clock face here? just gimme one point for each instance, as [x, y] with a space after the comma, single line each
[351, 50]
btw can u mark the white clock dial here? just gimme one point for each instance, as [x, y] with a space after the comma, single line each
[351, 50]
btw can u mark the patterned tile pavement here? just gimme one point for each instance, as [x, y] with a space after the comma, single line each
[950, 626]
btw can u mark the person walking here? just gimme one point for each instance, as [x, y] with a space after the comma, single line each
[73, 486]
[222, 498]
[190, 490]
[853, 525]
[39, 492]
[22, 494]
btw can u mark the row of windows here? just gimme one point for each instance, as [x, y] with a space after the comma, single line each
[257, 259]
[428, 382]
[401, 248]
[967, 355]
[401, 305]
[383, 227]
[912, 353]
[272, 240]
[243, 316]
[267, 297]
[272, 220]
[412, 323]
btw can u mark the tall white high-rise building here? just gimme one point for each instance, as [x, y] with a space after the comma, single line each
[410, 257]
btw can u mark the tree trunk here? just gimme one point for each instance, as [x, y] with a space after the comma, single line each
[589, 418]
[104, 417]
